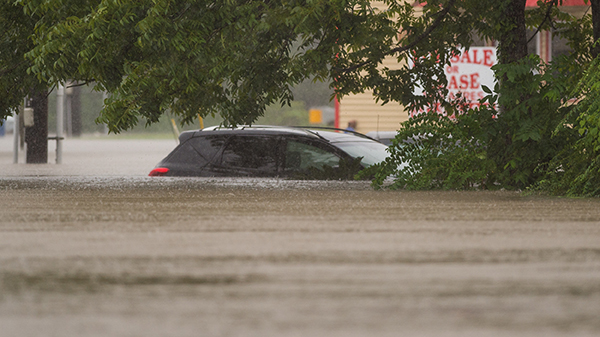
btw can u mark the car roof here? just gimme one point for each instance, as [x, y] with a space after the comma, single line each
[332, 135]
[382, 134]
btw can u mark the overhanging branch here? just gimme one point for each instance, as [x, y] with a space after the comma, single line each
[546, 18]
[436, 23]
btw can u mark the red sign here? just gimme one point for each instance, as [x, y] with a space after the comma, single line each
[467, 73]
[533, 3]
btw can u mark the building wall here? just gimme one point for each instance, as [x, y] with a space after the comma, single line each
[370, 115]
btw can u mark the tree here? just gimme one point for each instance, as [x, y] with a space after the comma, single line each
[16, 82]
[575, 171]
[240, 56]
[234, 58]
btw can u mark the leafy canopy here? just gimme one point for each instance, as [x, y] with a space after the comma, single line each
[15, 82]
[233, 58]
[195, 57]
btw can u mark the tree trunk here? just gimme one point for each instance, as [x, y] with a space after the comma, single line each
[512, 47]
[513, 39]
[596, 25]
[36, 136]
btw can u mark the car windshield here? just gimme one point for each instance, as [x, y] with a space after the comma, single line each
[372, 152]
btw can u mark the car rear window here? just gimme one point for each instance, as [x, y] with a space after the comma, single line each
[197, 151]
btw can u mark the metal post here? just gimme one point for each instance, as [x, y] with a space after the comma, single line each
[60, 93]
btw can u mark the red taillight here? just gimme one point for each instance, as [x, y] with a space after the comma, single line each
[159, 171]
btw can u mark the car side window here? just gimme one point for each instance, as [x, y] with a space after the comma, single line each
[255, 153]
[301, 156]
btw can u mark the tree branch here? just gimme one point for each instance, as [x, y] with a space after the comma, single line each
[80, 84]
[438, 21]
[546, 18]
[12, 68]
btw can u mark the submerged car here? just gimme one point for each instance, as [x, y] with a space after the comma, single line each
[271, 151]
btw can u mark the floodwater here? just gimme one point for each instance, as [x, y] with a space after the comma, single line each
[93, 247]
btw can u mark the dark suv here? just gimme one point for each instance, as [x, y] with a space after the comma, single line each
[271, 151]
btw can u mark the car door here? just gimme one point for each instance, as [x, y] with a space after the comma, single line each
[249, 155]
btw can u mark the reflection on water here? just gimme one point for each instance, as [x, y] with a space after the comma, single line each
[98, 256]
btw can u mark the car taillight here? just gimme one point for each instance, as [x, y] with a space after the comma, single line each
[159, 171]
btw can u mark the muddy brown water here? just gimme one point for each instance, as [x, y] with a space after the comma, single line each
[128, 255]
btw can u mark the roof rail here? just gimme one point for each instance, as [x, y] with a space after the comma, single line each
[242, 127]
[328, 128]
[297, 127]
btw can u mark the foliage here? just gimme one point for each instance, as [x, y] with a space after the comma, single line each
[293, 115]
[432, 151]
[522, 139]
[233, 58]
[227, 58]
[518, 134]
[427, 42]
[575, 171]
[314, 93]
[482, 147]
[15, 83]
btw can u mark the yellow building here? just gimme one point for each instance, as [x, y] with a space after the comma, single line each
[370, 115]
[362, 108]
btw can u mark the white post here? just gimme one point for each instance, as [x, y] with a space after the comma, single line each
[60, 93]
